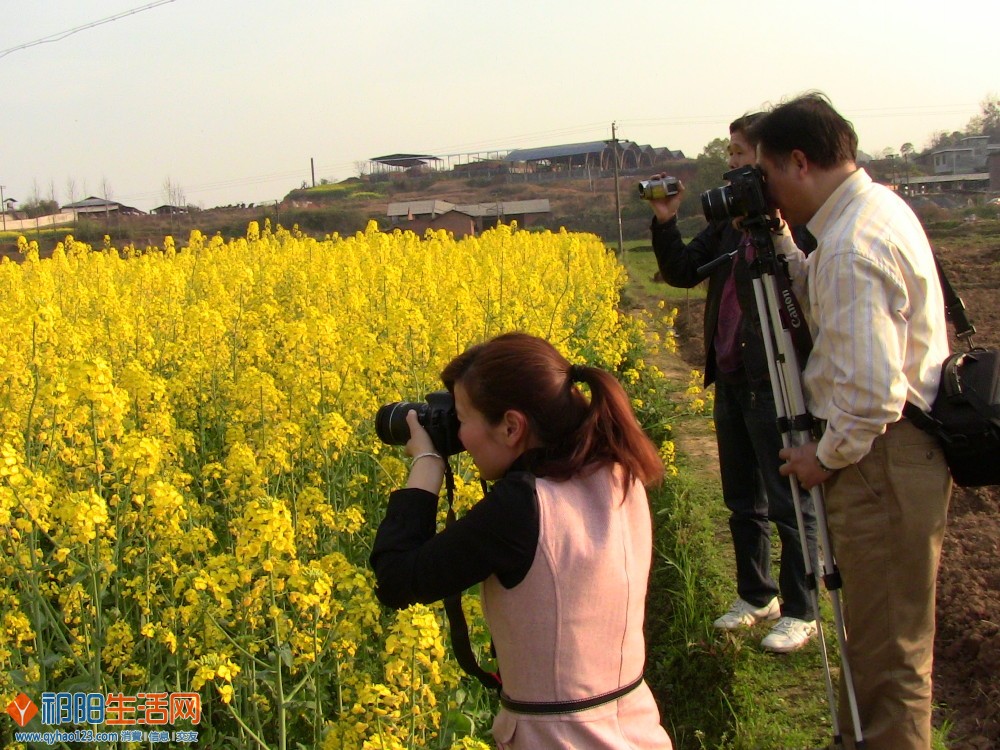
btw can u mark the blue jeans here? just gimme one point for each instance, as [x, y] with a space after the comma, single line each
[757, 496]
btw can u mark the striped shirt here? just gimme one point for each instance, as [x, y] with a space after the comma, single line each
[876, 314]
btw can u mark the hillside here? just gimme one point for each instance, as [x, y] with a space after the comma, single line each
[346, 207]
[581, 204]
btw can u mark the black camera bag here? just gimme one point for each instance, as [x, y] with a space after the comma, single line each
[965, 415]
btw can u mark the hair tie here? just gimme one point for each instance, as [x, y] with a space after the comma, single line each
[576, 373]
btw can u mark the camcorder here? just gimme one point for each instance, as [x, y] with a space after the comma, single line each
[743, 196]
[661, 187]
[437, 415]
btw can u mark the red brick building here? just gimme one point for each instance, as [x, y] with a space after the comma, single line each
[464, 219]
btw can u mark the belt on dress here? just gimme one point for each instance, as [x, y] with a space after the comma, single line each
[567, 707]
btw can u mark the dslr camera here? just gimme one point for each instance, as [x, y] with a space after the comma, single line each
[661, 187]
[437, 415]
[743, 196]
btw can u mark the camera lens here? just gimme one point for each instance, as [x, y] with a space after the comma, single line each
[717, 202]
[437, 416]
[390, 421]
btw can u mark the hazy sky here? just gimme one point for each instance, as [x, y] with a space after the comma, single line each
[229, 99]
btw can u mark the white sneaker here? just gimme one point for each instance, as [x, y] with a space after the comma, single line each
[742, 614]
[789, 634]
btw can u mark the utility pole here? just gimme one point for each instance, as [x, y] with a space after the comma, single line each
[3, 208]
[618, 200]
[312, 168]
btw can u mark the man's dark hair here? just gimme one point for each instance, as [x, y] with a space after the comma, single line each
[810, 124]
[745, 125]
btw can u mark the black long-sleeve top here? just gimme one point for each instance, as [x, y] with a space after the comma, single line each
[679, 263]
[498, 535]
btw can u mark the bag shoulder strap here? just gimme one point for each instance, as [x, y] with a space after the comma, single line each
[954, 310]
[921, 419]
[954, 307]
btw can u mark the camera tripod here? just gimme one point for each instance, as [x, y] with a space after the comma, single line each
[797, 427]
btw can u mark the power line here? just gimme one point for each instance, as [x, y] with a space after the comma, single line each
[63, 34]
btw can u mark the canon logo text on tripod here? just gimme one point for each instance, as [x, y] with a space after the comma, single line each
[791, 308]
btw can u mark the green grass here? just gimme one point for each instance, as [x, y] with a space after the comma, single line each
[640, 263]
[57, 233]
[718, 689]
[687, 668]
[334, 187]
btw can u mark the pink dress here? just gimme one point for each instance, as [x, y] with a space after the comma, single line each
[572, 629]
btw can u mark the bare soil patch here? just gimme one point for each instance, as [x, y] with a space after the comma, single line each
[967, 650]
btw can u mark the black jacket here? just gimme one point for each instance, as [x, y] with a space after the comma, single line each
[679, 265]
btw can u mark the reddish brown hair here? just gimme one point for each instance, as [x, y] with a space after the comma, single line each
[526, 373]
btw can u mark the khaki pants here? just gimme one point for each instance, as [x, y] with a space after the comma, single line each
[886, 516]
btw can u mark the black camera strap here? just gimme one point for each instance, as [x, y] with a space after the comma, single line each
[461, 645]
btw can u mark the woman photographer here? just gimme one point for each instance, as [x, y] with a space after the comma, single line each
[562, 542]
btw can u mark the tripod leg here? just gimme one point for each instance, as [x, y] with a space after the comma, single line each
[782, 407]
[795, 425]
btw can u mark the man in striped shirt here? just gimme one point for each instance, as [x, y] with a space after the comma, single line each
[876, 314]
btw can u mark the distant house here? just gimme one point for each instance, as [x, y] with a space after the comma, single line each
[969, 157]
[525, 213]
[167, 210]
[944, 183]
[98, 206]
[463, 220]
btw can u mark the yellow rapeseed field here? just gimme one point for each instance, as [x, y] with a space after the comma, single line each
[190, 480]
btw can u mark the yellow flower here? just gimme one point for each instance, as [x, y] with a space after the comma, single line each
[187, 434]
[226, 693]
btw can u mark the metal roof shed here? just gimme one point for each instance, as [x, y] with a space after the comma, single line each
[403, 161]
[598, 154]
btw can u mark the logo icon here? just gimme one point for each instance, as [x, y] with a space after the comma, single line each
[22, 709]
